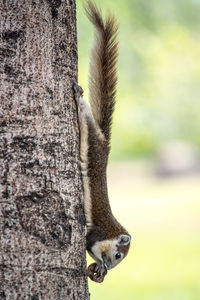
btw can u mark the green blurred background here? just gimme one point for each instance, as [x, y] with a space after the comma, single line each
[154, 165]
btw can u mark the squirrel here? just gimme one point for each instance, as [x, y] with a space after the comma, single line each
[107, 241]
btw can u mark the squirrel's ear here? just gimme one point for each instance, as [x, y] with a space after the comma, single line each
[123, 239]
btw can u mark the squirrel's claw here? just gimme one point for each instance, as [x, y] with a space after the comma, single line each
[78, 91]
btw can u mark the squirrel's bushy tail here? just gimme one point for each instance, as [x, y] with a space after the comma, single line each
[103, 75]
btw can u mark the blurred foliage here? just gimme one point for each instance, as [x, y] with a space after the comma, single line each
[159, 72]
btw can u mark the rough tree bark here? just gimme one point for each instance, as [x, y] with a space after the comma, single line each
[41, 215]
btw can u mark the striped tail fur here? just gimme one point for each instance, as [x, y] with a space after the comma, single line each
[103, 70]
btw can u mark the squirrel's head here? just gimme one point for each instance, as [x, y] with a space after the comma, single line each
[111, 252]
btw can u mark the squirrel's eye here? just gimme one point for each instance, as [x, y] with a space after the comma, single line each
[118, 255]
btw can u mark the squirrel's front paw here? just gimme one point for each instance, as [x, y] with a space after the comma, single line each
[78, 91]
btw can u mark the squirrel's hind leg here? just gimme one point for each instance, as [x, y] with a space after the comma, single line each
[83, 107]
[83, 113]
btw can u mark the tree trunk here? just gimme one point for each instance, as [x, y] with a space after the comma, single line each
[41, 215]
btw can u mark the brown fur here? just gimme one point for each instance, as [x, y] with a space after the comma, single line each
[124, 249]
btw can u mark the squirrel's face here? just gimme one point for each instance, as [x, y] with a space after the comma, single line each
[111, 252]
